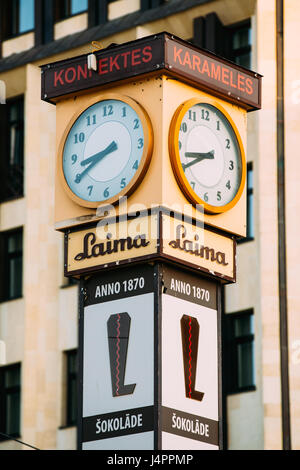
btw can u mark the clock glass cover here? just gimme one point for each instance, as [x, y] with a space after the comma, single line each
[208, 158]
[104, 151]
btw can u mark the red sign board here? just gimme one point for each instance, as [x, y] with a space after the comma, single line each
[152, 54]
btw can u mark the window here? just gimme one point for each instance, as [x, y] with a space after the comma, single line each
[250, 206]
[18, 17]
[239, 352]
[71, 387]
[232, 42]
[10, 400]
[11, 268]
[241, 44]
[66, 8]
[12, 150]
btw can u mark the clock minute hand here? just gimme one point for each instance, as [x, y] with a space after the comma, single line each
[198, 157]
[110, 148]
[93, 160]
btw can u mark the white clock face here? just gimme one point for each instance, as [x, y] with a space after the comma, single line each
[103, 150]
[210, 155]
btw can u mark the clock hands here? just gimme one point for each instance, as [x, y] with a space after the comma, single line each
[94, 159]
[198, 157]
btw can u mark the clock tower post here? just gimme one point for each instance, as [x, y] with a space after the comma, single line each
[151, 196]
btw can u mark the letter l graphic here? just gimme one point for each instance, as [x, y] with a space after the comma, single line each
[118, 327]
[190, 339]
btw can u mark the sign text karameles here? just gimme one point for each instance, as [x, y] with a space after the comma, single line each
[150, 236]
[161, 52]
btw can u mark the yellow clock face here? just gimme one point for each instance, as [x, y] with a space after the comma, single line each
[207, 155]
[105, 151]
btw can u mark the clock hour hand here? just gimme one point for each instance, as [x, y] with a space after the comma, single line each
[198, 157]
[110, 148]
[94, 159]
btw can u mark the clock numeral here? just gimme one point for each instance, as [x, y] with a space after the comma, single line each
[79, 137]
[108, 110]
[123, 183]
[218, 125]
[205, 197]
[228, 185]
[136, 124]
[193, 184]
[219, 196]
[106, 192]
[140, 143]
[192, 115]
[183, 127]
[91, 120]
[179, 145]
[74, 158]
[227, 144]
[78, 178]
[90, 189]
[204, 114]
[124, 109]
[231, 165]
[135, 165]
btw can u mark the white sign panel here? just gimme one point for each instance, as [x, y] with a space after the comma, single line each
[118, 365]
[189, 366]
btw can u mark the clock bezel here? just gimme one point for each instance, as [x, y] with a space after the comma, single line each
[144, 162]
[180, 176]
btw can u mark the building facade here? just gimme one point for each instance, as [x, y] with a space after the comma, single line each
[39, 307]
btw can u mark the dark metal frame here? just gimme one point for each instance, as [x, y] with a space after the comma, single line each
[157, 270]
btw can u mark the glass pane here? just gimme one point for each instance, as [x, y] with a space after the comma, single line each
[245, 358]
[250, 216]
[72, 402]
[243, 326]
[12, 377]
[15, 242]
[250, 178]
[15, 278]
[14, 111]
[13, 414]
[241, 38]
[244, 60]
[72, 366]
[26, 18]
[78, 6]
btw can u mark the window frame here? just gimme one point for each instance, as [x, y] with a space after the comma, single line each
[234, 53]
[5, 269]
[7, 26]
[70, 377]
[5, 149]
[250, 192]
[5, 391]
[230, 343]
[58, 18]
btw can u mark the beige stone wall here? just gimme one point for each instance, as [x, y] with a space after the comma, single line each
[39, 327]
[17, 44]
[70, 25]
[292, 167]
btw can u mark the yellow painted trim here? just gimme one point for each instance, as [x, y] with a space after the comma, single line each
[145, 160]
[175, 156]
